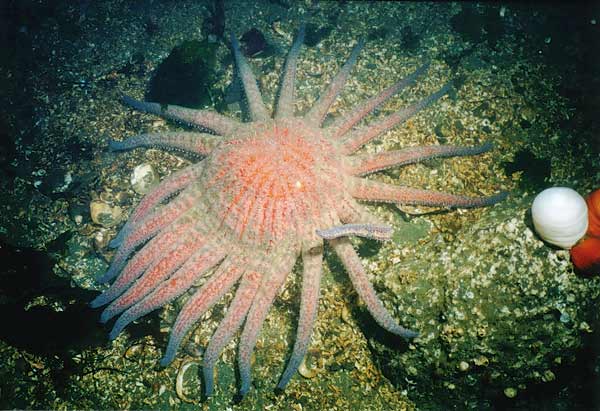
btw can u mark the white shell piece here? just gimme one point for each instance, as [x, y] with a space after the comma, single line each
[143, 178]
[560, 216]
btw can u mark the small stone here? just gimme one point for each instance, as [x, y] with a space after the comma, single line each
[463, 366]
[158, 123]
[564, 317]
[143, 178]
[105, 215]
[510, 392]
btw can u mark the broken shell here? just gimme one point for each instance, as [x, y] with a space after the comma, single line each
[306, 372]
[133, 351]
[105, 215]
[179, 380]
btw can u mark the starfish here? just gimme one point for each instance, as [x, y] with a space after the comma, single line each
[267, 192]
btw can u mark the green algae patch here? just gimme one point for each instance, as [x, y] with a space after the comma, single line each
[186, 76]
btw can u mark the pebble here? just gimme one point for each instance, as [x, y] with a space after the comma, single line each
[143, 178]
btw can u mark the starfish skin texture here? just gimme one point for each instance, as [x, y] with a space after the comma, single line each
[267, 192]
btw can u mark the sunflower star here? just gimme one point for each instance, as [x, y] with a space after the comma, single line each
[267, 192]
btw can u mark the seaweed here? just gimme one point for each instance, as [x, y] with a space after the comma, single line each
[186, 76]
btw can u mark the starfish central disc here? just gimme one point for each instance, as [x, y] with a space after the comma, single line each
[269, 184]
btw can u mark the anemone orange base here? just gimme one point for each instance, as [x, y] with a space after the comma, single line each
[586, 255]
[593, 203]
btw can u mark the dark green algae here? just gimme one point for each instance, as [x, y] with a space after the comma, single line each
[187, 76]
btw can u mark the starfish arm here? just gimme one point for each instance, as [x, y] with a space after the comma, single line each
[257, 108]
[221, 281]
[169, 260]
[318, 112]
[309, 303]
[148, 228]
[138, 264]
[388, 193]
[165, 189]
[230, 324]
[173, 287]
[345, 123]
[285, 104]
[361, 136]
[363, 287]
[270, 286]
[376, 232]
[370, 163]
[207, 119]
[196, 143]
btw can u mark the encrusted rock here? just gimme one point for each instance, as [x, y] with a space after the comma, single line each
[494, 308]
[143, 178]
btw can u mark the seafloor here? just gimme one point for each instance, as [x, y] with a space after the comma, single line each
[505, 322]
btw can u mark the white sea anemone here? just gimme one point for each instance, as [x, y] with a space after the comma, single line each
[560, 216]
